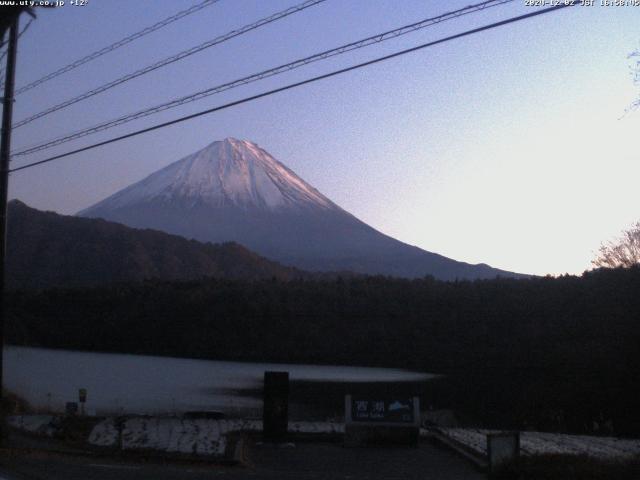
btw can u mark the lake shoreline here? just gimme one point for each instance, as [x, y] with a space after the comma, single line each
[124, 383]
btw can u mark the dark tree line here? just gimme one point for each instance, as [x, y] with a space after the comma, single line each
[546, 353]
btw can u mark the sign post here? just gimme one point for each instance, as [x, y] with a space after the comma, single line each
[82, 398]
[503, 450]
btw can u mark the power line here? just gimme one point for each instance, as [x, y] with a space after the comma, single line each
[172, 59]
[3, 54]
[116, 45]
[25, 28]
[378, 38]
[298, 84]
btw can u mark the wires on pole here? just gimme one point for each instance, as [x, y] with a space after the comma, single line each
[298, 84]
[365, 42]
[116, 45]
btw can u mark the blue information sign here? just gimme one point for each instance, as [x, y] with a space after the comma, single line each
[398, 410]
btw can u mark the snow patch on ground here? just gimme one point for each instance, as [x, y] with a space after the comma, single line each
[104, 434]
[173, 435]
[190, 436]
[540, 443]
[198, 437]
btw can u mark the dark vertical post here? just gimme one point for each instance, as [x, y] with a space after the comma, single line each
[275, 413]
[503, 453]
[5, 149]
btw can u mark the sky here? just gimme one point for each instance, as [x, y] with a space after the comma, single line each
[510, 147]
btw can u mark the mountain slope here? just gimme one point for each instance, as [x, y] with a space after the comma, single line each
[232, 190]
[45, 249]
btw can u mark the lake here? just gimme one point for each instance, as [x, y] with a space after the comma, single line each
[120, 383]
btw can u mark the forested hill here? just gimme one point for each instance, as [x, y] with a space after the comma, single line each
[550, 353]
[46, 250]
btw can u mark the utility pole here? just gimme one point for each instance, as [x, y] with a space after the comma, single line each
[5, 150]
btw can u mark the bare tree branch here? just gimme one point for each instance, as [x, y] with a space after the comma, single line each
[622, 252]
[635, 74]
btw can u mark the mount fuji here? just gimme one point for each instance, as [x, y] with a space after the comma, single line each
[233, 190]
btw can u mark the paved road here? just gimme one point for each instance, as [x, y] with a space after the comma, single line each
[304, 461]
[332, 461]
[49, 467]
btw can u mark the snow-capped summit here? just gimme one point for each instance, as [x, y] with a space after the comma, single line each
[228, 172]
[233, 190]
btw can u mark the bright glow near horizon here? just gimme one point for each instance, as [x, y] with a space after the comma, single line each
[507, 147]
